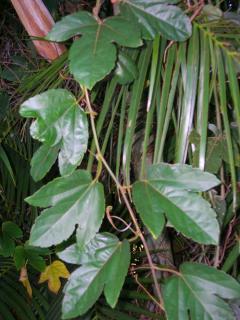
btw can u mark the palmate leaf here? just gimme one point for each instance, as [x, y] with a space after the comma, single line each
[104, 265]
[60, 123]
[170, 189]
[157, 17]
[199, 290]
[114, 29]
[74, 199]
[94, 55]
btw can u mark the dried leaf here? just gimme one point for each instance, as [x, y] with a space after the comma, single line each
[52, 274]
[25, 281]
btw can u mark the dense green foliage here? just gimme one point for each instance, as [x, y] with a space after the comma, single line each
[134, 154]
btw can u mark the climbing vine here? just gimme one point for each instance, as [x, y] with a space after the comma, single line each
[74, 204]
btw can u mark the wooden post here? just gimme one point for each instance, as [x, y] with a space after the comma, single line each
[38, 22]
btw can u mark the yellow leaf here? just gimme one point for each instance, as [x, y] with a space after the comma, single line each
[24, 279]
[52, 274]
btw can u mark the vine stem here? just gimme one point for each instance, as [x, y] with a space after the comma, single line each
[97, 8]
[124, 197]
[146, 291]
[162, 269]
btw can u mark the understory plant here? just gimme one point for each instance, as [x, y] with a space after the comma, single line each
[136, 155]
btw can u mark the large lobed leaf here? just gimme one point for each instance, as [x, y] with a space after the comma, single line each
[199, 290]
[74, 200]
[157, 17]
[94, 55]
[60, 123]
[171, 189]
[104, 265]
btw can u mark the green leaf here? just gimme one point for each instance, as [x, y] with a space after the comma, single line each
[5, 160]
[167, 191]
[156, 18]
[28, 254]
[42, 161]
[114, 29]
[81, 22]
[120, 30]
[199, 290]
[74, 199]
[7, 246]
[147, 205]
[10, 232]
[60, 189]
[232, 256]
[19, 257]
[91, 61]
[71, 254]
[93, 56]
[182, 176]
[34, 258]
[116, 273]
[126, 69]
[105, 263]
[212, 13]
[59, 120]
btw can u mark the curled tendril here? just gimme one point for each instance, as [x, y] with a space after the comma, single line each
[111, 217]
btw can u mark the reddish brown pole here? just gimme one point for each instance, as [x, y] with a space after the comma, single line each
[38, 22]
